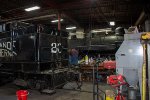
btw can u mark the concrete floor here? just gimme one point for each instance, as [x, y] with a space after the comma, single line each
[7, 92]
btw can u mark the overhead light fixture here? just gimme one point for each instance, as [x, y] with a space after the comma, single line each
[112, 23]
[32, 8]
[70, 28]
[55, 21]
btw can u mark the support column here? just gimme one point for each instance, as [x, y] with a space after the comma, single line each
[147, 25]
[59, 22]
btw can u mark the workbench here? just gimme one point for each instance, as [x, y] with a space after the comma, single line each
[87, 72]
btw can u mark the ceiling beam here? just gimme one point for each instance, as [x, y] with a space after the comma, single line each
[63, 13]
[45, 14]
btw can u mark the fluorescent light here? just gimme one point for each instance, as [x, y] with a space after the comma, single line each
[55, 21]
[112, 23]
[70, 28]
[32, 8]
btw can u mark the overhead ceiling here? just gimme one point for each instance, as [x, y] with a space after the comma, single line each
[82, 13]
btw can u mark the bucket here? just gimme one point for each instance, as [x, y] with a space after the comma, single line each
[132, 93]
[110, 98]
[22, 94]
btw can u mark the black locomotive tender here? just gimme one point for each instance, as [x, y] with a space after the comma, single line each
[33, 56]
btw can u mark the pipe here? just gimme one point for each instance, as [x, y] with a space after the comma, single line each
[97, 75]
[140, 19]
[28, 19]
[144, 73]
[93, 82]
[59, 23]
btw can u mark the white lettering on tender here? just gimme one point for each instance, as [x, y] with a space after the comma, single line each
[55, 47]
[6, 49]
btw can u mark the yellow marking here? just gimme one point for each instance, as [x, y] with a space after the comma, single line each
[145, 36]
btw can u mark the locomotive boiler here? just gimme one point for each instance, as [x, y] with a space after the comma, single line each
[33, 56]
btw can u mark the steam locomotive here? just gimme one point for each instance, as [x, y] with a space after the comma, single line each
[33, 56]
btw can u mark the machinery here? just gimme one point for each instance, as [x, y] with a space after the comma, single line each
[130, 59]
[33, 56]
[117, 81]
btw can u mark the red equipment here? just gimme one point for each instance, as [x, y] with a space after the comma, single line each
[22, 94]
[117, 81]
[109, 64]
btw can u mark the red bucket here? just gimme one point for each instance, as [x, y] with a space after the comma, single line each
[22, 94]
